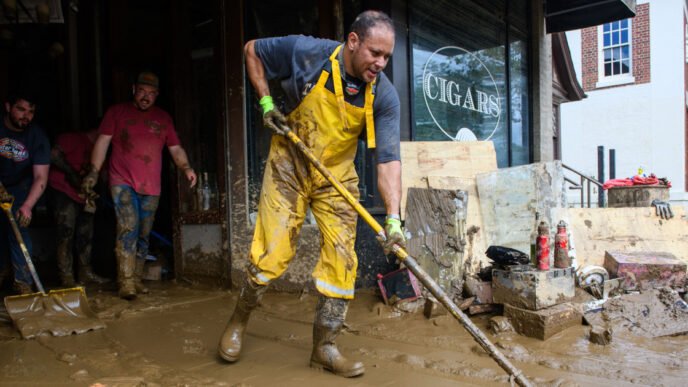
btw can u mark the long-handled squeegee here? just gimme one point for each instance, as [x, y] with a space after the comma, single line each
[412, 265]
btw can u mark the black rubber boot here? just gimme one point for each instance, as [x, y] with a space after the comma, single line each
[230, 343]
[329, 320]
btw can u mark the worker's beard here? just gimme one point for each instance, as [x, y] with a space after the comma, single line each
[19, 123]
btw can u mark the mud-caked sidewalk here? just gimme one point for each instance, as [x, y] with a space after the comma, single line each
[169, 337]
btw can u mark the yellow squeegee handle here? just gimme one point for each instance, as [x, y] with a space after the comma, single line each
[413, 266]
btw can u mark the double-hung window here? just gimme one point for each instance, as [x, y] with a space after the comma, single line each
[615, 54]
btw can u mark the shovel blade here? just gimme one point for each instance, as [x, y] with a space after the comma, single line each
[60, 312]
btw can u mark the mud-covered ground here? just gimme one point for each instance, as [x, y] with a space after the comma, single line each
[169, 338]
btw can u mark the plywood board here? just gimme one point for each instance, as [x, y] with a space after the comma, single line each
[421, 159]
[596, 230]
[510, 198]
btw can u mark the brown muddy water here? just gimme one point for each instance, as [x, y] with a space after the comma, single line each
[169, 338]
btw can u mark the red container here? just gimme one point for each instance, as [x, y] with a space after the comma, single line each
[543, 246]
[561, 247]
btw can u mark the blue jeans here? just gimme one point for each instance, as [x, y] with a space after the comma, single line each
[9, 246]
[135, 215]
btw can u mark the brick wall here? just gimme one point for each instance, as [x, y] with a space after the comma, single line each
[589, 54]
[641, 43]
[640, 32]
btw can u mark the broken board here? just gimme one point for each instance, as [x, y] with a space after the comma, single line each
[451, 165]
[474, 254]
[436, 222]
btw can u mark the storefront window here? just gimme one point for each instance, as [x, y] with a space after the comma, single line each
[268, 19]
[198, 119]
[461, 84]
[519, 107]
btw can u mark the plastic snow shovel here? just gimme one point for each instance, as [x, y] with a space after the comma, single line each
[412, 265]
[61, 312]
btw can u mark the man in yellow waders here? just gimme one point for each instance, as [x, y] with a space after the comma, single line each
[333, 91]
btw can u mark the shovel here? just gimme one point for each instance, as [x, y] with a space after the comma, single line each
[515, 374]
[61, 312]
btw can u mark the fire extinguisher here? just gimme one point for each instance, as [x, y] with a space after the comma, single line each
[543, 246]
[561, 247]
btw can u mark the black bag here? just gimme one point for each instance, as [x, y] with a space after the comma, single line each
[505, 256]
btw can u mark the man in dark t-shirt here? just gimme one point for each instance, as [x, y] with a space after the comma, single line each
[24, 165]
[335, 92]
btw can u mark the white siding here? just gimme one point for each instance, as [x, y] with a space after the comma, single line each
[644, 122]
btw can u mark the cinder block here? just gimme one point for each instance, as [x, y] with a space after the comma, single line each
[481, 290]
[529, 288]
[434, 309]
[543, 324]
[645, 270]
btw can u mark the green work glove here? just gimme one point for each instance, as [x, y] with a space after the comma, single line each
[394, 235]
[272, 117]
[89, 181]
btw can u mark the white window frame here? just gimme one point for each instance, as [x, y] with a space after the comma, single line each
[613, 80]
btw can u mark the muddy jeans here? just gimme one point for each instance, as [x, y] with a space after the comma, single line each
[74, 231]
[135, 215]
[9, 246]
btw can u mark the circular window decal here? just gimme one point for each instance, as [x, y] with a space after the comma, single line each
[461, 94]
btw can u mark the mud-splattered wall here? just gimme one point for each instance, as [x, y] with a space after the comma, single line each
[202, 255]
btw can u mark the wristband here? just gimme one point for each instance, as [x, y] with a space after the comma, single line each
[393, 216]
[267, 104]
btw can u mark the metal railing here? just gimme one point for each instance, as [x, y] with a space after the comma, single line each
[585, 186]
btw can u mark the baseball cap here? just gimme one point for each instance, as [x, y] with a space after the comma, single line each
[148, 78]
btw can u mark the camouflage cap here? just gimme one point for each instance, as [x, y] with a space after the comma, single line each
[148, 78]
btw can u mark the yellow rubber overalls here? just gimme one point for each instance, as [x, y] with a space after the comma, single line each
[330, 127]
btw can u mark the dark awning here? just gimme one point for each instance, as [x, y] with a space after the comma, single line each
[565, 15]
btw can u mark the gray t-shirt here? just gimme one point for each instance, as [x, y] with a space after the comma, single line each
[297, 62]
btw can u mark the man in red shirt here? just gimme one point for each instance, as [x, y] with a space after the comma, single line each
[69, 157]
[138, 131]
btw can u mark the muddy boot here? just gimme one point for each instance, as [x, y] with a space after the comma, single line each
[329, 320]
[230, 343]
[22, 287]
[87, 275]
[125, 275]
[138, 277]
[64, 265]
